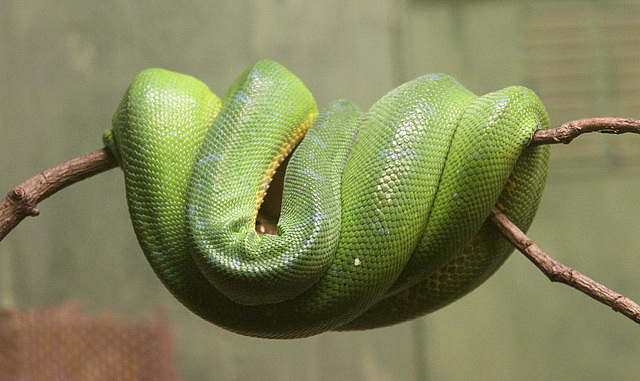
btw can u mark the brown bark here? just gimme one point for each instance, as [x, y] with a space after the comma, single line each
[22, 201]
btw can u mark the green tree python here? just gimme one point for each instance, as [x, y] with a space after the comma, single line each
[380, 216]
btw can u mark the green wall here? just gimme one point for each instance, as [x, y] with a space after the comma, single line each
[64, 67]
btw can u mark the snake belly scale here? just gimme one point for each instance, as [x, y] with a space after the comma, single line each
[383, 213]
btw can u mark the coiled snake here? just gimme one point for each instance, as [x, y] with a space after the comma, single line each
[382, 216]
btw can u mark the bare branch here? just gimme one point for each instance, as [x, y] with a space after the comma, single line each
[570, 130]
[557, 272]
[22, 200]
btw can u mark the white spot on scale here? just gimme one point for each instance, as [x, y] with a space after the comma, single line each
[356, 262]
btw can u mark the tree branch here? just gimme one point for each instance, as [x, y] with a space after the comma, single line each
[557, 272]
[570, 130]
[22, 200]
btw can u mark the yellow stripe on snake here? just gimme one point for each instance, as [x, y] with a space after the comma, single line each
[380, 216]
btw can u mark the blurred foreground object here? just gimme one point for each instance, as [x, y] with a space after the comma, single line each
[64, 343]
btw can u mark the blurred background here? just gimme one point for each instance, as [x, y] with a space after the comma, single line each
[65, 65]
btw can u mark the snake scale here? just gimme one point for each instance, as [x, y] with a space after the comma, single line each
[379, 217]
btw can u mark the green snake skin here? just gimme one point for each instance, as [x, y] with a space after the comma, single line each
[383, 213]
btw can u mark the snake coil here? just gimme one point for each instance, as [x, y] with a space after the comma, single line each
[382, 215]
